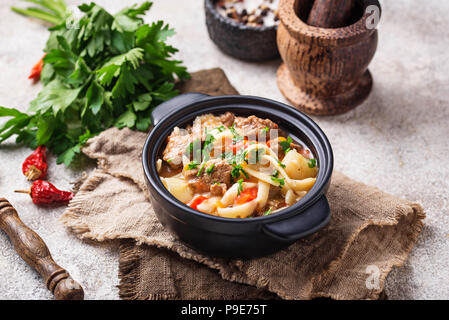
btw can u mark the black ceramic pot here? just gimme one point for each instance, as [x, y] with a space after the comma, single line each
[228, 237]
[238, 40]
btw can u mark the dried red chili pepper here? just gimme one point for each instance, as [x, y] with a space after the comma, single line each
[43, 192]
[37, 69]
[35, 166]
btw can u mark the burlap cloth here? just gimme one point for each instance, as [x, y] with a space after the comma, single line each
[370, 233]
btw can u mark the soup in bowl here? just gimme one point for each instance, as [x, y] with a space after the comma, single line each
[236, 167]
[236, 176]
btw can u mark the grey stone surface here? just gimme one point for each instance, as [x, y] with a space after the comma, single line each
[397, 140]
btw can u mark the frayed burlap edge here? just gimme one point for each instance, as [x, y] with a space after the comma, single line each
[416, 228]
[129, 274]
[70, 219]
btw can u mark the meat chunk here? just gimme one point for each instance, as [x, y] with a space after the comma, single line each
[301, 150]
[210, 122]
[271, 206]
[218, 189]
[227, 119]
[215, 171]
[177, 143]
[221, 172]
[254, 126]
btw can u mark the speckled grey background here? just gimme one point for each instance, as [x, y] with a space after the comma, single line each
[397, 140]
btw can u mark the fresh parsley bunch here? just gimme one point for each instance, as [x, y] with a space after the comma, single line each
[99, 71]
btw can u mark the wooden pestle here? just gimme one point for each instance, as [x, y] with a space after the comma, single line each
[330, 13]
[33, 250]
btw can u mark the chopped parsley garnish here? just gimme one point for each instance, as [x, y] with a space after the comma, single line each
[266, 129]
[312, 163]
[240, 188]
[208, 142]
[232, 158]
[236, 171]
[268, 212]
[201, 168]
[286, 144]
[275, 173]
[240, 156]
[221, 128]
[192, 165]
[281, 181]
[194, 149]
[208, 145]
[170, 160]
[254, 154]
[236, 136]
[281, 164]
[210, 169]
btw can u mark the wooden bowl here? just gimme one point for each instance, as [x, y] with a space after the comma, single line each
[238, 40]
[325, 71]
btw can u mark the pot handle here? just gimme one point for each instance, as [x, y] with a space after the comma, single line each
[309, 221]
[174, 104]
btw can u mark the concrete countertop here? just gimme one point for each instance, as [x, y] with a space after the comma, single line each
[397, 140]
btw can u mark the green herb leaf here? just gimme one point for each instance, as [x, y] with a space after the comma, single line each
[210, 169]
[237, 170]
[143, 102]
[236, 136]
[240, 188]
[54, 96]
[286, 144]
[193, 150]
[15, 125]
[127, 119]
[95, 97]
[281, 181]
[312, 163]
[46, 126]
[281, 164]
[192, 165]
[200, 171]
[109, 70]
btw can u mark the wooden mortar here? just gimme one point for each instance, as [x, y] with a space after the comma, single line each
[325, 70]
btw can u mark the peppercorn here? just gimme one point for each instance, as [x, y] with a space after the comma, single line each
[43, 192]
[35, 165]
